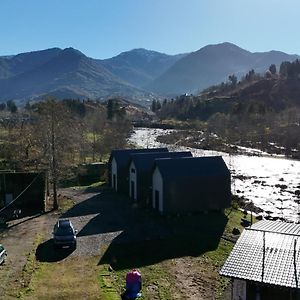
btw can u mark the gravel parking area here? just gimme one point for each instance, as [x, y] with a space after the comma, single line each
[98, 216]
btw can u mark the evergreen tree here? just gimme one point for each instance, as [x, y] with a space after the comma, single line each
[233, 79]
[11, 106]
[158, 105]
[110, 109]
[272, 69]
[2, 106]
[283, 70]
[153, 105]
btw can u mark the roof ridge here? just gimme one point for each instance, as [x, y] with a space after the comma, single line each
[270, 231]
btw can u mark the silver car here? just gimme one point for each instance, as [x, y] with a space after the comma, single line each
[3, 254]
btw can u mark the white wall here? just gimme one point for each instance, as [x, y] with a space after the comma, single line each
[132, 177]
[114, 171]
[157, 185]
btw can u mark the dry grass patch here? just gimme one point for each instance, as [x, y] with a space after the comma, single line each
[73, 278]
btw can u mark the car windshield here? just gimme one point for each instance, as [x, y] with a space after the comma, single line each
[1, 248]
[64, 231]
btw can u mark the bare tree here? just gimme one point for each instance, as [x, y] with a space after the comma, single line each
[58, 135]
[96, 126]
[50, 136]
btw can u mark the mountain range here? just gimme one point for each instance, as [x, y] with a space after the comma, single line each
[212, 65]
[64, 73]
[138, 75]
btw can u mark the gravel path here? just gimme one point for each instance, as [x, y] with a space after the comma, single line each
[96, 217]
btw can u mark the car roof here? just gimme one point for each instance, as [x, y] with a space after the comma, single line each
[64, 222]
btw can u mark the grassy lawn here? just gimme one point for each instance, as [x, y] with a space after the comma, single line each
[196, 248]
[68, 279]
[200, 251]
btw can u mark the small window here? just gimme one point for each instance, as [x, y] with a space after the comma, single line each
[132, 170]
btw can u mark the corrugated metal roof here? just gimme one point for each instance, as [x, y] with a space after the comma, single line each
[267, 252]
[278, 226]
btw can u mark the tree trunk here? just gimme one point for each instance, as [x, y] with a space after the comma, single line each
[55, 202]
[54, 171]
[94, 145]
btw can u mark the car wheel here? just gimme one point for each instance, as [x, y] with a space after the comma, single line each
[75, 246]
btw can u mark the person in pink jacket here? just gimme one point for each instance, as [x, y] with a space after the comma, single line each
[133, 285]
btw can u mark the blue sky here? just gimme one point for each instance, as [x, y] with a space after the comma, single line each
[104, 28]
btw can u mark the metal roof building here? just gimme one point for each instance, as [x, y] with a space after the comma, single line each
[27, 191]
[140, 176]
[266, 261]
[190, 184]
[118, 167]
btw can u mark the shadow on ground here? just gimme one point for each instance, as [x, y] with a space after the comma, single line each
[28, 217]
[113, 213]
[177, 237]
[46, 252]
[146, 237]
[100, 201]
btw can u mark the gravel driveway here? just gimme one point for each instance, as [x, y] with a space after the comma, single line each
[100, 216]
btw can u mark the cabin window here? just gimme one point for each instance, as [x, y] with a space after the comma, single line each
[132, 170]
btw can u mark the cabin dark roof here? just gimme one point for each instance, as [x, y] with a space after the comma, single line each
[192, 166]
[145, 161]
[267, 252]
[122, 156]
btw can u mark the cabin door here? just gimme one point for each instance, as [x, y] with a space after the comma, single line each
[114, 181]
[156, 200]
[132, 190]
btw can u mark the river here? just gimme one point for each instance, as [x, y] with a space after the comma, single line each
[271, 183]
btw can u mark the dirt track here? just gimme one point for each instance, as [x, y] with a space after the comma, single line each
[19, 239]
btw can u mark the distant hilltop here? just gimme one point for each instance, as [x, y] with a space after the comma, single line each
[139, 75]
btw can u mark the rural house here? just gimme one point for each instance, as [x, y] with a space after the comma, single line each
[265, 262]
[140, 177]
[118, 167]
[190, 184]
[23, 190]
